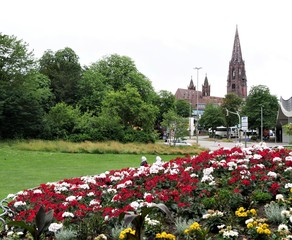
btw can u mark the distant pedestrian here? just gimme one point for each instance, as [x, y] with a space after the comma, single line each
[143, 161]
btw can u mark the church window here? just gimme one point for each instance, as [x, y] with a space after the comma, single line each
[233, 73]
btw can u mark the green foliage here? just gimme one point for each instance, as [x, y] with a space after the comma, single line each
[165, 101]
[176, 126]
[42, 222]
[233, 103]
[92, 88]
[260, 96]
[130, 111]
[64, 71]
[24, 93]
[261, 197]
[183, 108]
[138, 219]
[288, 128]
[213, 117]
[62, 120]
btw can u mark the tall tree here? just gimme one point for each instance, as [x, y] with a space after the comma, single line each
[183, 108]
[130, 108]
[64, 71]
[213, 117]
[92, 88]
[24, 93]
[118, 71]
[260, 100]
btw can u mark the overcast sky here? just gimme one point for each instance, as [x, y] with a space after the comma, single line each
[166, 39]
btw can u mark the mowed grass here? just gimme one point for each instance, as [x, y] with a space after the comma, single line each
[22, 169]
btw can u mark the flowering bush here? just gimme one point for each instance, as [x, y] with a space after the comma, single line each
[220, 181]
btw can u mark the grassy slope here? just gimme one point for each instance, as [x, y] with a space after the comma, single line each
[21, 169]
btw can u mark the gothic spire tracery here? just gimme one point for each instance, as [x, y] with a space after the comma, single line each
[236, 81]
[236, 53]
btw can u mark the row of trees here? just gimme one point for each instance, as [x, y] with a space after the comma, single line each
[259, 104]
[54, 97]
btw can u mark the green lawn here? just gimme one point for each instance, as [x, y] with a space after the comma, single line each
[21, 169]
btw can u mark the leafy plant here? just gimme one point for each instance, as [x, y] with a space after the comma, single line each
[42, 222]
[138, 220]
[261, 197]
[273, 212]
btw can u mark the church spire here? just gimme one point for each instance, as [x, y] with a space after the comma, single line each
[206, 88]
[236, 53]
[236, 81]
[191, 86]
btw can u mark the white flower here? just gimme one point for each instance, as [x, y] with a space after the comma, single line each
[125, 184]
[288, 185]
[272, 174]
[84, 186]
[10, 195]
[230, 233]
[250, 220]
[94, 202]
[279, 197]
[221, 226]
[285, 213]
[19, 203]
[67, 214]
[257, 156]
[187, 169]
[102, 175]
[70, 198]
[134, 205]
[193, 175]
[282, 227]
[37, 191]
[54, 227]
[277, 159]
[88, 179]
[208, 171]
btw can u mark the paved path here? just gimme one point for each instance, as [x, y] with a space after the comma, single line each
[206, 142]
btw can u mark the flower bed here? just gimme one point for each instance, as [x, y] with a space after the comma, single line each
[222, 194]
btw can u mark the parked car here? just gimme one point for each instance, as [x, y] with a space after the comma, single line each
[177, 142]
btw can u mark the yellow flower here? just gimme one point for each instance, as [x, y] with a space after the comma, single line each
[195, 226]
[249, 225]
[253, 211]
[165, 235]
[123, 234]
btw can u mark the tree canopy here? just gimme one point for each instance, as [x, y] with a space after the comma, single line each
[260, 100]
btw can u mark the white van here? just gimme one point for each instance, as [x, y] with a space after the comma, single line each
[221, 132]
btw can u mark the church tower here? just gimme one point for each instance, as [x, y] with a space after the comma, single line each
[206, 88]
[191, 86]
[236, 81]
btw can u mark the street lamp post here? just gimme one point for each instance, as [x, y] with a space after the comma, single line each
[197, 90]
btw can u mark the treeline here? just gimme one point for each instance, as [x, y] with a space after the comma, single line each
[54, 97]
